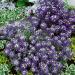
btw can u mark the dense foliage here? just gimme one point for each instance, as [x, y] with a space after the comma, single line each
[8, 15]
[4, 69]
[69, 70]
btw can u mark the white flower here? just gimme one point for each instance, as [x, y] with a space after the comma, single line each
[16, 45]
[15, 62]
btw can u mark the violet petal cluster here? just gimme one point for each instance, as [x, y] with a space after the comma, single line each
[49, 44]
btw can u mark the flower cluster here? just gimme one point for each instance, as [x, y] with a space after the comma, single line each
[48, 45]
[14, 28]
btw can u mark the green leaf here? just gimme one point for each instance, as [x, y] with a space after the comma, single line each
[2, 42]
[27, 34]
[70, 70]
[3, 58]
[30, 73]
[21, 3]
[4, 70]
